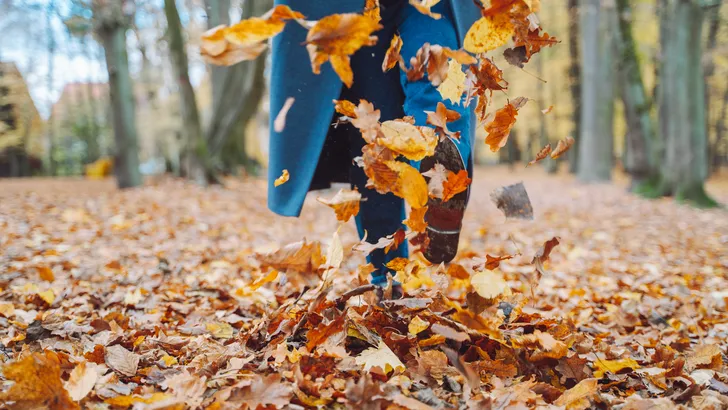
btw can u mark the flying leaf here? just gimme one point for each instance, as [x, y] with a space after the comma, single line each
[489, 284]
[334, 38]
[372, 10]
[543, 254]
[280, 122]
[37, 383]
[500, 128]
[392, 57]
[513, 201]
[412, 142]
[410, 184]
[416, 219]
[425, 6]
[285, 176]
[380, 357]
[345, 203]
[366, 119]
[453, 87]
[547, 110]
[455, 184]
[437, 176]
[433, 60]
[562, 147]
[542, 154]
[373, 160]
[245, 40]
[346, 107]
[301, 257]
[488, 33]
[492, 262]
[440, 117]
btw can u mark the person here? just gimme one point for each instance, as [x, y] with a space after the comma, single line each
[317, 150]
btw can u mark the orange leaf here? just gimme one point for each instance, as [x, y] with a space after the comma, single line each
[45, 273]
[562, 147]
[345, 203]
[37, 384]
[416, 220]
[412, 142]
[455, 184]
[541, 154]
[410, 185]
[425, 6]
[392, 57]
[492, 262]
[500, 128]
[285, 176]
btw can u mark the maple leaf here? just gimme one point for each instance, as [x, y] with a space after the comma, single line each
[285, 176]
[453, 87]
[37, 384]
[500, 128]
[300, 256]
[425, 6]
[542, 154]
[440, 117]
[280, 122]
[334, 38]
[534, 41]
[416, 219]
[455, 184]
[245, 40]
[392, 57]
[492, 262]
[412, 142]
[380, 357]
[345, 203]
[488, 76]
[562, 147]
[577, 398]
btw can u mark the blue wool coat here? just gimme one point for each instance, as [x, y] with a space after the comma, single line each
[299, 145]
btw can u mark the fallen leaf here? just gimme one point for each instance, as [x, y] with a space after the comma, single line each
[300, 256]
[380, 357]
[577, 397]
[270, 277]
[704, 357]
[220, 330]
[417, 325]
[449, 332]
[613, 366]
[37, 384]
[82, 380]
[45, 273]
[345, 203]
[280, 122]
[122, 360]
[543, 254]
[285, 176]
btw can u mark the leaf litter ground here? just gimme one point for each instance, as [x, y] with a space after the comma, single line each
[173, 296]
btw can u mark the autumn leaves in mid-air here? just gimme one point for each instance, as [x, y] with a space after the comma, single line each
[459, 75]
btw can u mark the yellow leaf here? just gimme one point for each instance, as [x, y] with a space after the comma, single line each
[282, 179]
[408, 140]
[37, 384]
[45, 273]
[577, 397]
[454, 85]
[613, 366]
[48, 296]
[270, 277]
[7, 309]
[345, 203]
[417, 325]
[489, 33]
[380, 357]
[416, 219]
[138, 341]
[410, 184]
[132, 298]
[128, 401]
[220, 330]
[489, 284]
[169, 360]
[425, 6]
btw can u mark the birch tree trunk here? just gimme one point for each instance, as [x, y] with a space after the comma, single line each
[111, 25]
[640, 157]
[597, 95]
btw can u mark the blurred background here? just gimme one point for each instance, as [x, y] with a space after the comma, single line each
[642, 85]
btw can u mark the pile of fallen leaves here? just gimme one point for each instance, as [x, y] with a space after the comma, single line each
[172, 296]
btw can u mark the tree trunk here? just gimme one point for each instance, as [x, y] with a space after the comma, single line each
[721, 134]
[597, 98]
[50, 164]
[218, 12]
[197, 155]
[640, 158]
[575, 82]
[683, 100]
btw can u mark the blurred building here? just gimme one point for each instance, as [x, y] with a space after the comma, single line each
[21, 127]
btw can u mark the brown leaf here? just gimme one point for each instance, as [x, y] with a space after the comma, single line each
[562, 147]
[541, 154]
[449, 332]
[265, 392]
[392, 57]
[573, 367]
[122, 360]
[301, 257]
[416, 219]
[492, 262]
[513, 201]
[334, 38]
[345, 203]
[578, 397]
[440, 117]
[37, 384]
[500, 128]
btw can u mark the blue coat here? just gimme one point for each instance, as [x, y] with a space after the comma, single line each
[297, 148]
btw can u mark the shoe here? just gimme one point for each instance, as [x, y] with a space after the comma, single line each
[444, 219]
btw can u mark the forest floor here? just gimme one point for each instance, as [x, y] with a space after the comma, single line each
[166, 297]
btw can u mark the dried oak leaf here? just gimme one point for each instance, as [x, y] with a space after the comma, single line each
[492, 262]
[285, 176]
[500, 128]
[440, 117]
[573, 367]
[373, 160]
[121, 360]
[416, 219]
[534, 41]
[380, 357]
[412, 142]
[562, 147]
[37, 384]
[436, 178]
[541, 155]
[245, 40]
[345, 203]
[392, 57]
[488, 76]
[578, 397]
[300, 256]
[455, 184]
[425, 6]
[454, 86]
[334, 38]
[543, 254]
[366, 119]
